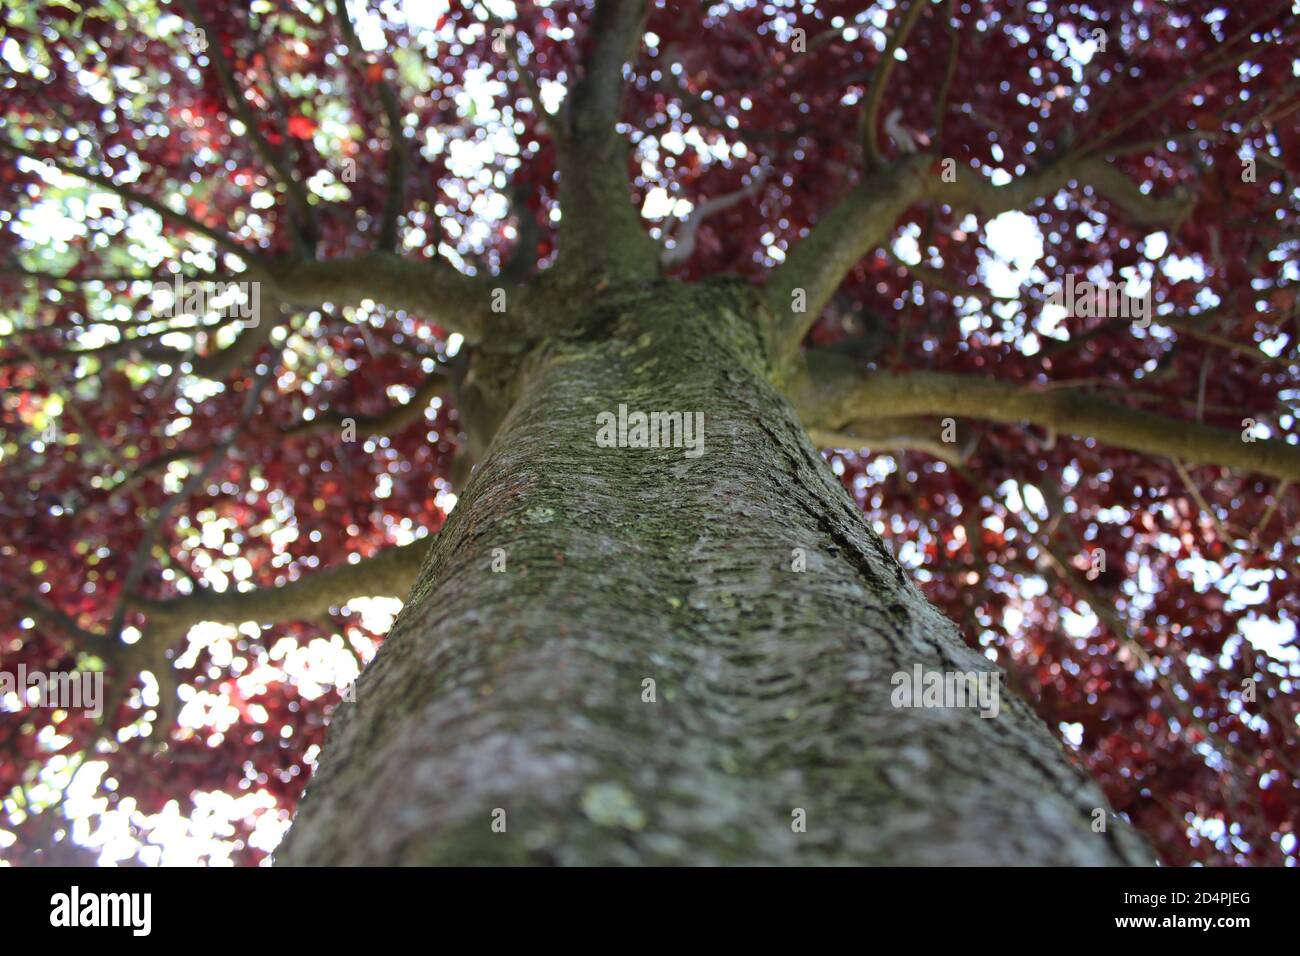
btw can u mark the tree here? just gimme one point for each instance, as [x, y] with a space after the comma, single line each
[605, 279]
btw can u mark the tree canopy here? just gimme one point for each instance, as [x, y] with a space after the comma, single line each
[1106, 506]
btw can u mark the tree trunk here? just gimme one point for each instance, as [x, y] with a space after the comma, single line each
[507, 719]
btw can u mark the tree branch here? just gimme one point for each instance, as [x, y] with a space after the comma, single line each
[387, 422]
[915, 433]
[213, 365]
[831, 393]
[941, 100]
[931, 277]
[394, 419]
[140, 199]
[436, 291]
[156, 526]
[76, 637]
[398, 158]
[880, 79]
[865, 217]
[526, 76]
[597, 97]
[684, 237]
[303, 213]
[102, 278]
[972, 193]
[800, 287]
[600, 229]
[390, 573]
[522, 262]
[458, 302]
[1194, 326]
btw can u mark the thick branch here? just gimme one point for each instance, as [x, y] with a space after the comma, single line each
[390, 573]
[802, 285]
[76, 637]
[891, 434]
[458, 302]
[103, 278]
[438, 292]
[600, 228]
[831, 393]
[972, 193]
[597, 97]
[523, 260]
[864, 219]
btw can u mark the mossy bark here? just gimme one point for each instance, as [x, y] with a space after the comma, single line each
[524, 691]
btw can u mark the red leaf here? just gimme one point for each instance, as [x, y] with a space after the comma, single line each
[300, 127]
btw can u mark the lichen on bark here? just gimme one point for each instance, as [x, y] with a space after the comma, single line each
[522, 690]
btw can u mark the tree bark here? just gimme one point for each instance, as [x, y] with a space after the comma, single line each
[523, 690]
